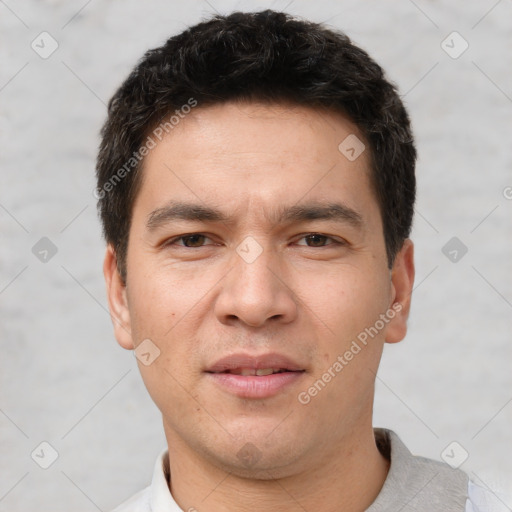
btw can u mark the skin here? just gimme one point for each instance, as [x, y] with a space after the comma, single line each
[305, 297]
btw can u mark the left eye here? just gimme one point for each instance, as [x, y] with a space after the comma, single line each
[316, 240]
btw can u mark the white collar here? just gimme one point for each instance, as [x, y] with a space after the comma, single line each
[404, 468]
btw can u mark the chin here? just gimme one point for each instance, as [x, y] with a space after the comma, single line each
[262, 455]
[253, 464]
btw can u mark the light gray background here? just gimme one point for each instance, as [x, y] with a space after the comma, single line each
[65, 380]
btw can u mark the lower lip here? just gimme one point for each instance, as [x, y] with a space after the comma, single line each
[252, 386]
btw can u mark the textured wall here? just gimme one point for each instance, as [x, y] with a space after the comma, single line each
[65, 381]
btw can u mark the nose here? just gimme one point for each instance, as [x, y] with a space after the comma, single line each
[255, 293]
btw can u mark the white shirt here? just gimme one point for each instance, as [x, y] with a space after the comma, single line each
[157, 497]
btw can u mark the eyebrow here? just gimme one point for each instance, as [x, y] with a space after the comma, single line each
[297, 213]
[182, 211]
[333, 211]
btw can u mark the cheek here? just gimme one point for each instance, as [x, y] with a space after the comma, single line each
[160, 311]
[345, 301]
[159, 300]
[166, 308]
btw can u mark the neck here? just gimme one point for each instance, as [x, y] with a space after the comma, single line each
[348, 475]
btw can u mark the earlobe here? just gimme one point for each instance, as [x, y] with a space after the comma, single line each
[117, 300]
[402, 281]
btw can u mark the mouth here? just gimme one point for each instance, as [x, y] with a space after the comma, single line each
[255, 377]
[260, 372]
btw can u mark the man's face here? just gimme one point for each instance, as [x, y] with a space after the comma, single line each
[256, 244]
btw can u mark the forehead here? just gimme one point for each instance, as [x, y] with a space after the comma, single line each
[238, 155]
[277, 130]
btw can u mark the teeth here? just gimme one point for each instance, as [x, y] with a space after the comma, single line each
[265, 371]
[246, 372]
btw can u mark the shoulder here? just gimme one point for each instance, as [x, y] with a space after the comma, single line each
[417, 484]
[156, 497]
[481, 499]
[139, 502]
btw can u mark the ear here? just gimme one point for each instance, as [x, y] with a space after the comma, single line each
[117, 301]
[402, 281]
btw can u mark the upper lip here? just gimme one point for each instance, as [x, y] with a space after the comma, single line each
[257, 362]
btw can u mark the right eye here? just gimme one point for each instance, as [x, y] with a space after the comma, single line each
[193, 240]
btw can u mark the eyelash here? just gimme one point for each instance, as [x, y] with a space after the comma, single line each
[332, 240]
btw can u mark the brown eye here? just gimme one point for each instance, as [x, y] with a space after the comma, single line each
[195, 240]
[316, 240]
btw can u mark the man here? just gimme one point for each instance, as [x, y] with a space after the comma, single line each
[256, 187]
